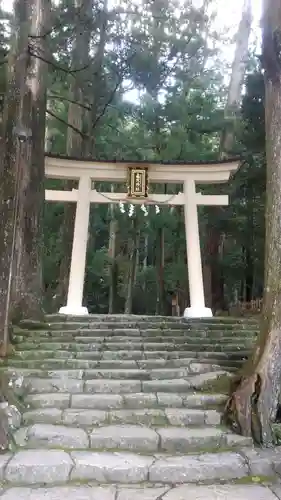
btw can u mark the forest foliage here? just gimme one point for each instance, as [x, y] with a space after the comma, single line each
[171, 57]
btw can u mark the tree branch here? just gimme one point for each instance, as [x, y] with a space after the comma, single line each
[111, 97]
[55, 65]
[61, 120]
[62, 98]
[109, 101]
[57, 25]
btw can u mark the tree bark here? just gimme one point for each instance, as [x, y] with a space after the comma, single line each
[29, 241]
[22, 164]
[10, 146]
[253, 406]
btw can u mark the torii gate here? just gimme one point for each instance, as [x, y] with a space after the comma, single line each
[140, 175]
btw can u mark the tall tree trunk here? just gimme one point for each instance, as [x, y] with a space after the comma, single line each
[236, 80]
[250, 247]
[11, 148]
[75, 146]
[145, 259]
[134, 245]
[146, 246]
[96, 89]
[253, 405]
[29, 282]
[22, 169]
[113, 266]
[160, 262]
[227, 140]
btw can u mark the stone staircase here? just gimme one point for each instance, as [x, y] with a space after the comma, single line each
[116, 408]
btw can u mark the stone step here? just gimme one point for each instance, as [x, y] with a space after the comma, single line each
[139, 354]
[69, 343]
[97, 354]
[135, 332]
[87, 351]
[179, 352]
[105, 386]
[83, 364]
[58, 382]
[109, 386]
[98, 334]
[109, 400]
[137, 345]
[75, 323]
[143, 317]
[129, 401]
[113, 374]
[136, 438]
[120, 325]
[149, 417]
[199, 365]
[140, 492]
[192, 368]
[73, 365]
[49, 467]
[88, 359]
[49, 368]
[90, 342]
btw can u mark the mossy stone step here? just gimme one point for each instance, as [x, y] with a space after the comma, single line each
[123, 400]
[132, 346]
[48, 467]
[84, 338]
[74, 386]
[81, 363]
[128, 401]
[74, 325]
[195, 365]
[57, 341]
[137, 438]
[194, 353]
[202, 363]
[64, 352]
[54, 370]
[150, 417]
[137, 355]
[144, 317]
[120, 374]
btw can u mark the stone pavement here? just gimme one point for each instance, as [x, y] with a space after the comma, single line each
[114, 410]
[218, 492]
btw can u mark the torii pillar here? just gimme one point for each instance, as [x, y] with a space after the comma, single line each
[197, 307]
[74, 305]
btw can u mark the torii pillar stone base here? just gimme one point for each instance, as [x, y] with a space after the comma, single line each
[194, 312]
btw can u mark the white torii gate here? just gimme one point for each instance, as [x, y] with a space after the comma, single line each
[88, 171]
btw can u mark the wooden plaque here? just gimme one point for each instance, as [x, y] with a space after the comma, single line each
[137, 182]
